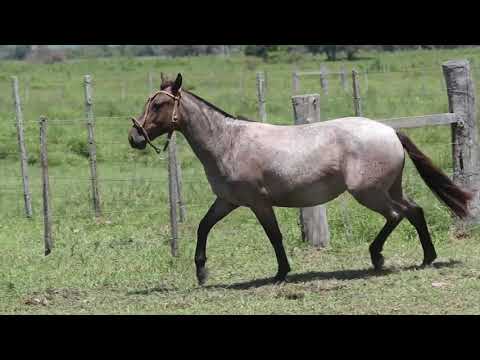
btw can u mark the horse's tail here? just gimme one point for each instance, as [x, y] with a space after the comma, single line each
[450, 194]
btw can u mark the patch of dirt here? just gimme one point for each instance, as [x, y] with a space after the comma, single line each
[50, 296]
[290, 294]
[37, 300]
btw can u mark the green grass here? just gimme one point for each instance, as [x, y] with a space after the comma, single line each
[123, 264]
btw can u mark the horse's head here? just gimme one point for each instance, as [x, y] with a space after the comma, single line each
[159, 116]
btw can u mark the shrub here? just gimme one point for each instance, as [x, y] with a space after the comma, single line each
[79, 147]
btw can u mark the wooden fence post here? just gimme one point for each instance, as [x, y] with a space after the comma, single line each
[323, 79]
[178, 180]
[27, 91]
[92, 149]
[295, 82]
[343, 79]
[313, 220]
[365, 73]
[261, 97]
[23, 150]
[465, 147]
[265, 83]
[356, 94]
[173, 196]
[47, 212]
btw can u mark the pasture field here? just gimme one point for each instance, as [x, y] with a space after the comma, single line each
[122, 264]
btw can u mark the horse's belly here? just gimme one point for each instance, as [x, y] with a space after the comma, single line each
[312, 195]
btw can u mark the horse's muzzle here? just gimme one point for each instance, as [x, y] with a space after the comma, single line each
[136, 140]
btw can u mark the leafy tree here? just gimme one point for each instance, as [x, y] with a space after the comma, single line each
[21, 51]
[259, 50]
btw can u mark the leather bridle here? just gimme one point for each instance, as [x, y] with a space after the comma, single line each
[141, 129]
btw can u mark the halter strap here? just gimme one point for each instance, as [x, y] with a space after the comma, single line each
[138, 126]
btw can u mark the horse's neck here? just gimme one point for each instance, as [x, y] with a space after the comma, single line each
[207, 132]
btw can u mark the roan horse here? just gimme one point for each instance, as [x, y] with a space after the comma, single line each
[260, 166]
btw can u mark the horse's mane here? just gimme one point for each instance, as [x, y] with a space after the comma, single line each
[168, 83]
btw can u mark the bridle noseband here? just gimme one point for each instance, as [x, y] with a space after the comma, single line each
[142, 130]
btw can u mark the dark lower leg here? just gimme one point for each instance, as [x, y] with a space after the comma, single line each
[217, 211]
[416, 217]
[267, 219]
[377, 245]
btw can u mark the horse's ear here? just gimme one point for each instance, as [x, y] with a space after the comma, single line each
[162, 77]
[177, 84]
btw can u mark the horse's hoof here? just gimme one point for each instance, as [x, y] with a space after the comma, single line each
[378, 261]
[426, 265]
[428, 260]
[280, 279]
[202, 276]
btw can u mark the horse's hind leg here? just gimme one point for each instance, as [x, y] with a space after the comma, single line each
[381, 202]
[416, 217]
[217, 212]
[376, 246]
[267, 219]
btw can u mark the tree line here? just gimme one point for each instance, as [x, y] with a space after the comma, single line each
[58, 53]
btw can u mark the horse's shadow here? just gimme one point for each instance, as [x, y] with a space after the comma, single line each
[148, 291]
[353, 274]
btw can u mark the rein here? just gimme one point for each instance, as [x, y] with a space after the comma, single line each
[140, 128]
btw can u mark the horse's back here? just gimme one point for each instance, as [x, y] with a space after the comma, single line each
[305, 165]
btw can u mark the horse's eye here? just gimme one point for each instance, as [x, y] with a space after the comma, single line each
[155, 106]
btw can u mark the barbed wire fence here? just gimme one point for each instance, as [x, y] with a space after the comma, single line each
[463, 161]
[92, 182]
[136, 189]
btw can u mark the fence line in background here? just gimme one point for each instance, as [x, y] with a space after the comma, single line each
[461, 109]
[92, 149]
[343, 79]
[295, 82]
[22, 149]
[47, 215]
[324, 79]
[357, 105]
[262, 111]
[179, 187]
[173, 197]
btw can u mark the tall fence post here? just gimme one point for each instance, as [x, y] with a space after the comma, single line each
[356, 94]
[47, 211]
[261, 96]
[323, 79]
[178, 180]
[313, 220]
[365, 73]
[295, 82]
[27, 91]
[343, 79]
[92, 149]
[465, 147]
[173, 196]
[22, 148]
[265, 82]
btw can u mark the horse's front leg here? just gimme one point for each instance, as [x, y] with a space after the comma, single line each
[219, 209]
[266, 217]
